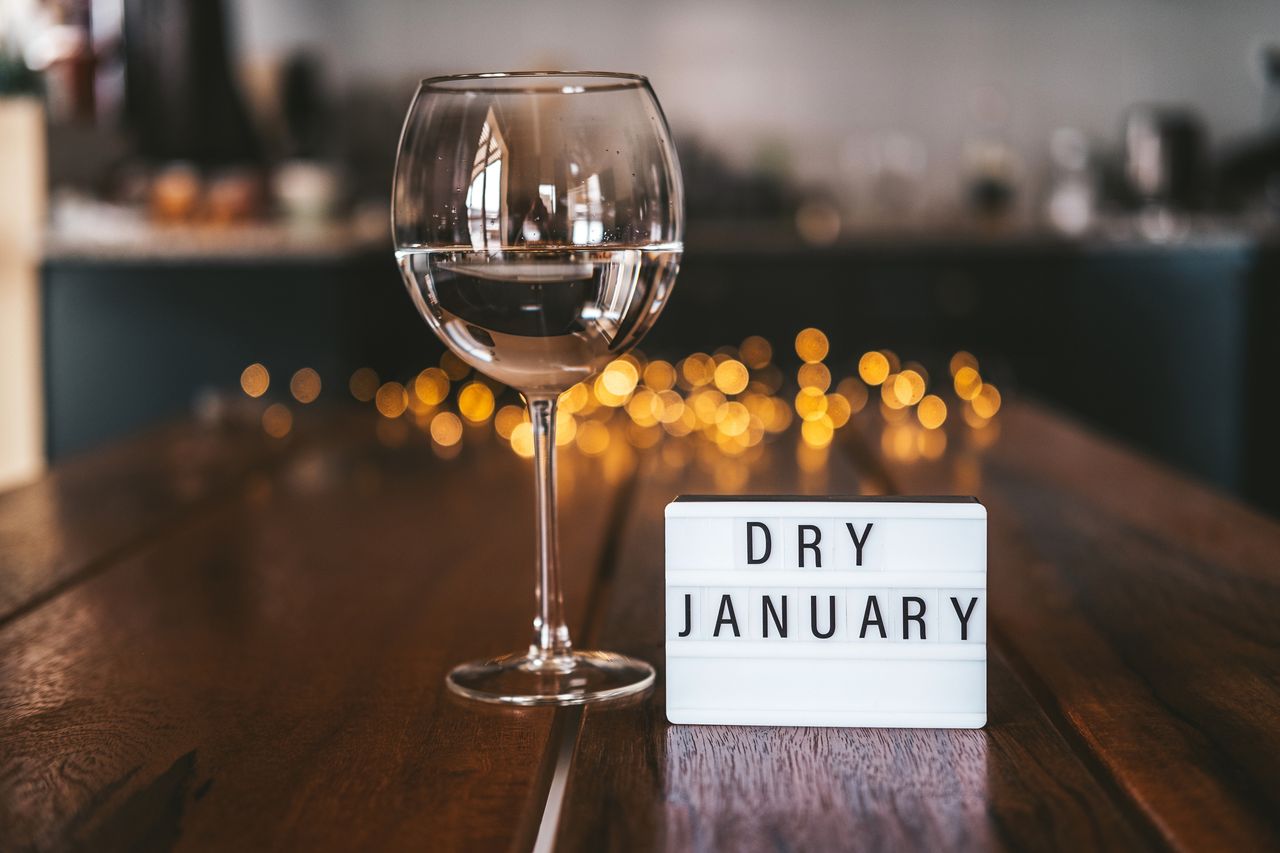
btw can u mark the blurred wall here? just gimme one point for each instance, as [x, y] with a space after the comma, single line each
[811, 74]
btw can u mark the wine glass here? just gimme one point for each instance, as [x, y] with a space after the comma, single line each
[538, 219]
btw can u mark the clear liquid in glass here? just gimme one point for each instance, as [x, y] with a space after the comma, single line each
[540, 319]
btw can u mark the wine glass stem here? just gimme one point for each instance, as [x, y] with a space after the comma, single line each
[550, 634]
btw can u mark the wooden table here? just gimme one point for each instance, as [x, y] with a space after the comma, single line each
[214, 640]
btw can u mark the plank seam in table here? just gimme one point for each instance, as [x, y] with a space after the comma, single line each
[272, 457]
[547, 805]
[168, 525]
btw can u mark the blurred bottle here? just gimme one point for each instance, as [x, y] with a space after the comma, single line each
[992, 169]
[308, 192]
[181, 96]
[305, 108]
[61, 50]
[1249, 176]
[1071, 206]
[307, 186]
[1165, 165]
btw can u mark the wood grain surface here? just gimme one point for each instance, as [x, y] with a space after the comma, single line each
[95, 507]
[1141, 610]
[271, 676]
[212, 641]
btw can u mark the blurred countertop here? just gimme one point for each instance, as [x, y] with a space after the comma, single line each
[1122, 233]
[132, 239]
[124, 237]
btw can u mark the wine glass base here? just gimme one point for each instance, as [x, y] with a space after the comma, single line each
[573, 679]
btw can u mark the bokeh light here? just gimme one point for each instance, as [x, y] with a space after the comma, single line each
[619, 378]
[972, 418]
[779, 417]
[475, 402]
[507, 418]
[817, 433]
[305, 385]
[908, 387]
[732, 418]
[889, 394]
[255, 380]
[919, 369]
[522, 439]
[685, 424]
[431, 386]
[575, 399]
[642, 407]
[811, 404]
[705, 403]
[811, 345]
[391, 400]
[446, 429]
[718, 410]
[932, 412]
[967, 382]
[873, 367]
[659, 376]
[669, 407]
[697, 370]
[363, 384]
[987, 403]
[566, 428]
[604, 396]
[731, 376]
[814, 375]
[838, 410]
[962, 359]
[756, 352]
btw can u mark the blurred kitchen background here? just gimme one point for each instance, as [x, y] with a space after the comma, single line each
[1084, 196]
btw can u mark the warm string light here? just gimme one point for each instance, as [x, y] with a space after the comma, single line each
[446, 429]
[704, 407]
[305, 386]
[255, 380]
[364, 384]
[391, 400]
[431, 386]
[475, 402]
[507, 419]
